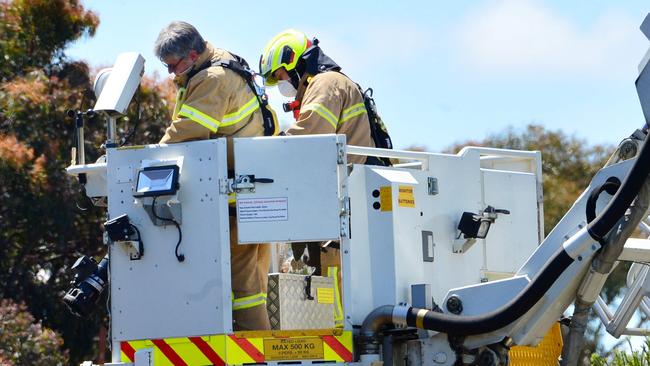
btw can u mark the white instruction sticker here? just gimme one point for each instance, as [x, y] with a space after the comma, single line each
[263, 209]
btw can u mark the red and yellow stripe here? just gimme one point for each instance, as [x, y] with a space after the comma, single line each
[185, 351]
[233, 349]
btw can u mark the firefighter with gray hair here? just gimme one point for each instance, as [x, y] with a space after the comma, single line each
[216, 98]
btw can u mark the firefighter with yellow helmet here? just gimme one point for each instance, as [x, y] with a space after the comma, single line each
[216, 98]
[326, 101]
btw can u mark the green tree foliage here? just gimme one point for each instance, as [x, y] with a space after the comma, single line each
[634, 358]
[45, 222]
[35, 32]
[568, 164]
[23, 341]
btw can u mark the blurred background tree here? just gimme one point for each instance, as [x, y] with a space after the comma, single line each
[568, 163]
[24, 341]
[45, 223]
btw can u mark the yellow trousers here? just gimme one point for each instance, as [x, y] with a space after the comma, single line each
[249, 266]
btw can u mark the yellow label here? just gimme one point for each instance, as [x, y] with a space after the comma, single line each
[325, 295]
[405, 197]
[293, 349]
[386, 198]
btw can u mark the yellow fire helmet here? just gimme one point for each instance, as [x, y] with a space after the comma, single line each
[284, 50]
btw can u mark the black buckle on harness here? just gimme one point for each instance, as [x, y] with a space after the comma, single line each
[308, 288]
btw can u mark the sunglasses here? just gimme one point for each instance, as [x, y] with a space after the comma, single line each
[174, 65]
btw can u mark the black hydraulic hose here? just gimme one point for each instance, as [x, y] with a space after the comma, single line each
[602, 224]
[533, 292]
[610, 187]
[515, 308]
[526, 299]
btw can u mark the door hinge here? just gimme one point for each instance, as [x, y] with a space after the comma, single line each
[345, 206]
[225, 186]
[344, 217]
[340, 153]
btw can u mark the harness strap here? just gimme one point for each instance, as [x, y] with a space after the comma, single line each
[240, 67]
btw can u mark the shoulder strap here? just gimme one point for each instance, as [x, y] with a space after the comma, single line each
[193, 72]
[378, 130]
[240, 67]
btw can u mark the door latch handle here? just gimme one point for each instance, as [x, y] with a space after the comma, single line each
[246, 183]
[261, 180]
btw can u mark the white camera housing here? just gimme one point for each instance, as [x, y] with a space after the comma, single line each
[116, 90]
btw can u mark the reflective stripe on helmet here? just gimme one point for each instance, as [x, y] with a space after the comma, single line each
[272, 59]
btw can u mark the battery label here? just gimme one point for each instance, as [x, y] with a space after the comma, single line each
[405, 197]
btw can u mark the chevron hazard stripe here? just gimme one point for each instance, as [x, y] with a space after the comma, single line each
[241, 348]
[244, 350]
[127, 351]
[169, 352]
[343, 353]
[207, 350]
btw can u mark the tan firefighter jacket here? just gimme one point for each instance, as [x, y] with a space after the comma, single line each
[216, 102]
[331, 103]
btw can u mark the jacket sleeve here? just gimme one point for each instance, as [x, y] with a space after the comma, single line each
[201, 112]
[320, 109]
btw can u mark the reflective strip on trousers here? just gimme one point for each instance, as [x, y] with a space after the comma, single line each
[323, 112]
[333, 272]
[243, 112]
[353, 111]
[248, 301]
[199, 117]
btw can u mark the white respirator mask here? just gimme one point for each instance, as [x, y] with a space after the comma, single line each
[287, 89]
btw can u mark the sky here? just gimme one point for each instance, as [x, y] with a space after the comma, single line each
[442, 72]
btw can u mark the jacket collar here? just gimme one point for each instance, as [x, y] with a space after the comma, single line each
[316, 62]
[208, 54]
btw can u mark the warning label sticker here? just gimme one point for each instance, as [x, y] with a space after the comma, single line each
[405, 197]
[325, 295]
[263, 209]
[293, 349]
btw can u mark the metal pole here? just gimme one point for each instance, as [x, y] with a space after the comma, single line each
[81, 151]
[111, 130]
[116, 352]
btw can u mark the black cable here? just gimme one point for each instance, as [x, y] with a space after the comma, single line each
[610, 186]
[72, 114]
[501, 317]
[137, 118]
[82, 190]
[140, 243]
[179, 257]
[628, 191]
